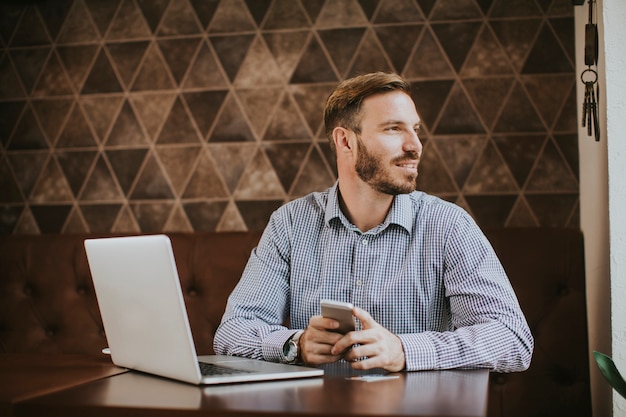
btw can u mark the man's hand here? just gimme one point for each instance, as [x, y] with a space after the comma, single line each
[318, 340]
[376, 347]
[372, 347]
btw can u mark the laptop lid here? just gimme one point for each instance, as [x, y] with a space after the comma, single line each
[144, 316]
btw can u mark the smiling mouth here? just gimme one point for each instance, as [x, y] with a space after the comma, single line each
[412, 165]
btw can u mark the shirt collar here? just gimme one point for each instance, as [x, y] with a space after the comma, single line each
[401, 212]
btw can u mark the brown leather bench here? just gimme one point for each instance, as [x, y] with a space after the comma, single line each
[47, 304]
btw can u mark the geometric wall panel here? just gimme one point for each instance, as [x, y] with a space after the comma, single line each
[147, 116]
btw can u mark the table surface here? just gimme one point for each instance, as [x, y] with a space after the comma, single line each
[112, 392]
[24, 376]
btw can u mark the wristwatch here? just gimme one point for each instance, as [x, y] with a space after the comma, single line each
[291, 349]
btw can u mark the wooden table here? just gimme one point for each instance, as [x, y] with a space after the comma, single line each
[25, 376]
[433, 393]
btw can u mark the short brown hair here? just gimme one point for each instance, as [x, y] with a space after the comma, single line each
[344, 103]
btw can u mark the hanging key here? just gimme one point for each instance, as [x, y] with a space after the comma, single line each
[591, 108]
[590, 105]
[594, 114]
[585, 106]
[589, 77]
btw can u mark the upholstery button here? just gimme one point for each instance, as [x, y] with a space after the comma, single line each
[192, 292]
[563, 376]
[50, 332]
[500, 380]
[563, 289]
[81, 290]
[28, 290]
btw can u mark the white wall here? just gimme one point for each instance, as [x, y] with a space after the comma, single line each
[603, 200]
[614, 15]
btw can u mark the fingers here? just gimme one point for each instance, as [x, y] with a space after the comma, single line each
[367, 322]
[318, 340]
[323, 323]
[376, 349]
[372, 347]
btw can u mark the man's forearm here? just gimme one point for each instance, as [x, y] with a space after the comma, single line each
[241, 337]
[490, 346]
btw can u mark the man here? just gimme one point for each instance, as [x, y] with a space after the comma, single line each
[428, 290]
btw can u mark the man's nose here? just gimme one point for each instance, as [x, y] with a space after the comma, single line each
[412, 142]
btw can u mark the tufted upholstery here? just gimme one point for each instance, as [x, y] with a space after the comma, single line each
[47, 301]
[47, 304]
[546, 268]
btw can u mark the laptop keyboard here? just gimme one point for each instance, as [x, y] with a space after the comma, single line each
[213, 369]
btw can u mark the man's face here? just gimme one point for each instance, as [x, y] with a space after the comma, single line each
[388, 147]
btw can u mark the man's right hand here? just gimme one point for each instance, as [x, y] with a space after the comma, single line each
[317, 341]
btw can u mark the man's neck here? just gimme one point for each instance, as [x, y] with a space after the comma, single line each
[363, 206]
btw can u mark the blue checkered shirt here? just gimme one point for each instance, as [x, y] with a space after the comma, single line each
[427, 274]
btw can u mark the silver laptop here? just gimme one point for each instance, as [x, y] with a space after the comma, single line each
[145, 319]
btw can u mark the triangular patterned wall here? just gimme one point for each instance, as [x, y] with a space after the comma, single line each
[202, 115]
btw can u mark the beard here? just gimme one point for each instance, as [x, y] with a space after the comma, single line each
[371, 169]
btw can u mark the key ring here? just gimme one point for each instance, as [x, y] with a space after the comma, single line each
[582, 76]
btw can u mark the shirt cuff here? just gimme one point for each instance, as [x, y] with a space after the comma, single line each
[419, 352]
[273, 344]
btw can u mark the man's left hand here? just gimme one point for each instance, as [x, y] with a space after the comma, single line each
[372, 347]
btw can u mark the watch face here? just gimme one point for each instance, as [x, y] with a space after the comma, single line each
[292, 351]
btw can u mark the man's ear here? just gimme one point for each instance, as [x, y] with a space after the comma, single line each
[342, 139]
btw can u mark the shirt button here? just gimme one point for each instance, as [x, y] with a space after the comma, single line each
[364, 242]
[359, 282]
